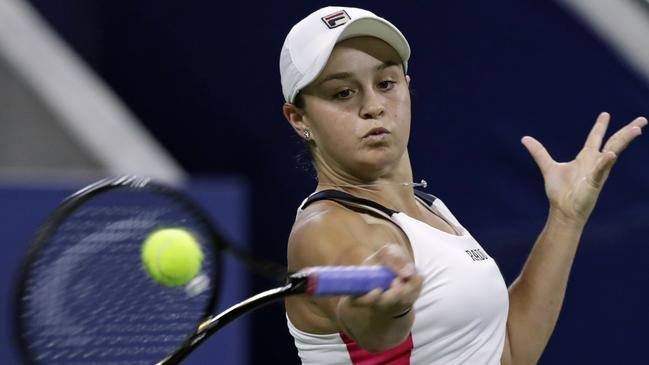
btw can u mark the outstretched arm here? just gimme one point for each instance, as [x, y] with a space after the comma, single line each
[536, 296]
[330, 235]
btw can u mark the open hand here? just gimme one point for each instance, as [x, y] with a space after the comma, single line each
[573, 187]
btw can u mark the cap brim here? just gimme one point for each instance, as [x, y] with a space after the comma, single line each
[376, 27]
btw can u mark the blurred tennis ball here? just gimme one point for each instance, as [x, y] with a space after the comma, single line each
[172, 256]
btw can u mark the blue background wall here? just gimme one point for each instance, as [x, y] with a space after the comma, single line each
[203, 77]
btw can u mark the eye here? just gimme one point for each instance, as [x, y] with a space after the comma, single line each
[343, 94]
[386, 84]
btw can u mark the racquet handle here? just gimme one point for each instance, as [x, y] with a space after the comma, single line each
[346, 280]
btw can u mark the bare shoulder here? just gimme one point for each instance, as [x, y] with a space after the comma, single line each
[327, 233]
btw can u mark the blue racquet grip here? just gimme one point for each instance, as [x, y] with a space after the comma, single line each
[347, 280]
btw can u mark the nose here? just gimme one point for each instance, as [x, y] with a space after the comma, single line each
[372, 106]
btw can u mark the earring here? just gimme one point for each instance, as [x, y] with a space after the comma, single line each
[307, 134]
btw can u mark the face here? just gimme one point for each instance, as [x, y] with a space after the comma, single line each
[358, 110]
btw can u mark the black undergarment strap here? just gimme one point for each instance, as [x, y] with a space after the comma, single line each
[345, 197]
[428, 198]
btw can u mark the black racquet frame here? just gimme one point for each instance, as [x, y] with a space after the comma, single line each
[297, 284]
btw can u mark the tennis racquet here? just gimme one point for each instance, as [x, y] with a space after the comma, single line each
[84, 298]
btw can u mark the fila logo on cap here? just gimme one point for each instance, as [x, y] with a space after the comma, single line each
[336, 19]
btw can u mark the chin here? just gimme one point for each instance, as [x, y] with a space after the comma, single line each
[379, 162]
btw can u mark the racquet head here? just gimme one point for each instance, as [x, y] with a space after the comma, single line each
[83, 295]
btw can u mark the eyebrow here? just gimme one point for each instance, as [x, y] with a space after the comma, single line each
[347, 75]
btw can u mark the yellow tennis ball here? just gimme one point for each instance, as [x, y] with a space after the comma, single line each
[172, 256]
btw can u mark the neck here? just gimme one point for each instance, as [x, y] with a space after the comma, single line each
[393, 189]
[422, 184]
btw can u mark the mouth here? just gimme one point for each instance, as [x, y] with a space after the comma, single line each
[376, 133]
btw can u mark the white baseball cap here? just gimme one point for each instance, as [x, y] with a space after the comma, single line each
[308, 45]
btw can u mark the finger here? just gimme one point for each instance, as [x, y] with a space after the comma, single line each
[602, 169]
[639, 122]
[394, 258]
[401, 295]
[538, 153]
[405, 291]
[400, 289]
[596, 135]
[622, 138]
[368, 299]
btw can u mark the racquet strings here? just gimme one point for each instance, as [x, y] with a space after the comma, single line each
[85, 295]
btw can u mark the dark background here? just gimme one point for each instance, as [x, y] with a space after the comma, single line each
[203, 77]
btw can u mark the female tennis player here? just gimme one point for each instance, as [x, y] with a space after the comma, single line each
[344, 78]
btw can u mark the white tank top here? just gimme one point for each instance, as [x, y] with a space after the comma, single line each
[460, 315]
